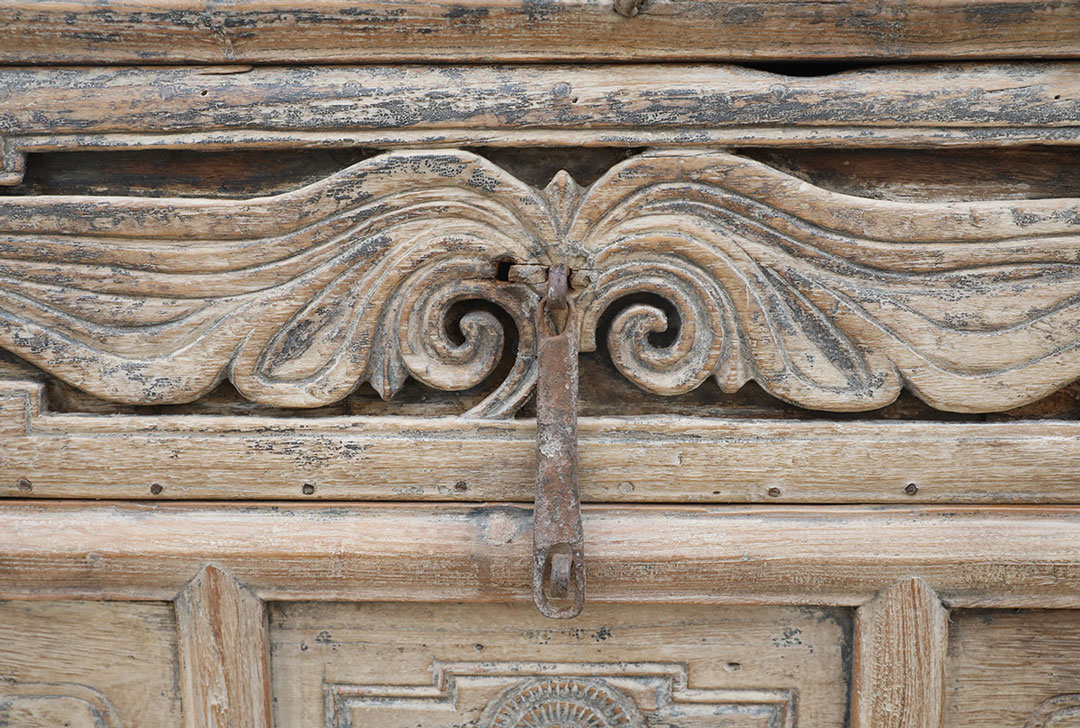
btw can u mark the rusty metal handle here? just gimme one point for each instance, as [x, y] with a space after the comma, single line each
[558, 545]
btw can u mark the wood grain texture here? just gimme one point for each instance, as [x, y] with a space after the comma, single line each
[438, 665]
[336, 31]
[901, 640]
[224, 654]
[88, 665]
[47, 109]
[1013, 668]
[1005, 556]
[622, 459]
[827, 301]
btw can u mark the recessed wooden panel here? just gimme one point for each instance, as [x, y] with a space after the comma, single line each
[435, 666]
[1013, 668]
[88, 664]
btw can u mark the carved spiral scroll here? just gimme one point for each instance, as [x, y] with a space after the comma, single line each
[830, 301]
[298, 299]
[704, 334]
[428, 352]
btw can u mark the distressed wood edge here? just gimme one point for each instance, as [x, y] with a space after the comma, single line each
[898, 670]
[224, 653]
[268, 31]
[102, 108]
[1001, 557]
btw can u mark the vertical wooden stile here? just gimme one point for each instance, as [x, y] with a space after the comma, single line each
[901, 638]
[224, 654]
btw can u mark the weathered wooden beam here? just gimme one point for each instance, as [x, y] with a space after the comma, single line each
[224, 653]
[901, 640]
[45, 109]
[650, 459]
[341, 31]
[972, 557]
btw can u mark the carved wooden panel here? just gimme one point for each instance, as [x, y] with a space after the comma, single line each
[88, 664]
[502, 666]
[1013, 668]
[577, 694]
[827, 301]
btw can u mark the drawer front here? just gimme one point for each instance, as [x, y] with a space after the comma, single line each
[397, 666]
[420, 616]
[90, 664]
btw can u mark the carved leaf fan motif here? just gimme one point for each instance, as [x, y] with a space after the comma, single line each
[828, 301]
[296, 298]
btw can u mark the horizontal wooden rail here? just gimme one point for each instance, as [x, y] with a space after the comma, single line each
[44, 109]
[972, 557]
[642, 459]
[340, 31]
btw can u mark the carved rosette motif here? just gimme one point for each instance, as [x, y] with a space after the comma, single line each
[562, 703]
[705, 264]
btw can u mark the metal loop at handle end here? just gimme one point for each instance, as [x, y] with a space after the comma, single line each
[559, 576]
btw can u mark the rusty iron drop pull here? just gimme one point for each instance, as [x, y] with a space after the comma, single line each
[558, 546]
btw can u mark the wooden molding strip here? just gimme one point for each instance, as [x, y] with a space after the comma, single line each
[45, 109]
[224, 652]
[642, 459]
[340, 31]
[1024, 557]
[901, 641]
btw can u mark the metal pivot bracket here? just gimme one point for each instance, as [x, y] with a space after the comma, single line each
[558, 546]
